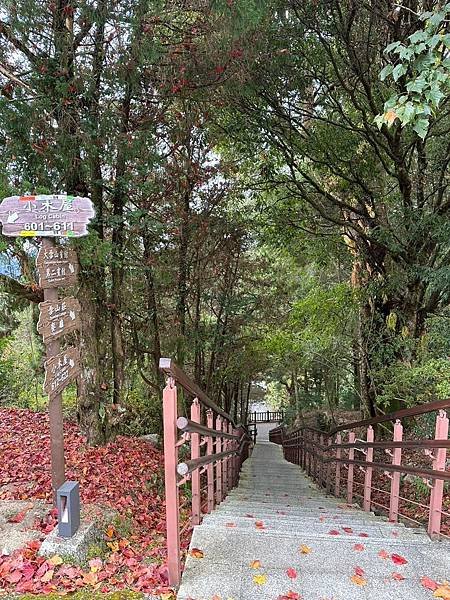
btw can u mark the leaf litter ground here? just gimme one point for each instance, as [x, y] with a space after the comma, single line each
[125, 476]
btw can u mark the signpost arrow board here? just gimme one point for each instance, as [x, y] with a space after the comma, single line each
[60, 370]
[58, 318]
[57, 266]
[49, 215]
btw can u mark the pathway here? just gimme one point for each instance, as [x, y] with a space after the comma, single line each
[274, 513]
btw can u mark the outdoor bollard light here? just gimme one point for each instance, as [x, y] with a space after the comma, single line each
[68, 503]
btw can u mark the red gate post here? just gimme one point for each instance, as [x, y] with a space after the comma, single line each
[210, 467]
[395, 477]
[437, 490]
[351, 456]
[219, 489]
[368, 475]
[337, 480]
[195, 453]
[225, 448]
[170, 475]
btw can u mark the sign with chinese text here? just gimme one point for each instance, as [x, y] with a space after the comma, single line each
[49, 215]
[58, 318]
[57, 266]
[60, 370]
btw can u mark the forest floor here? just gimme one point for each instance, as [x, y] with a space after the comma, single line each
[125, 476]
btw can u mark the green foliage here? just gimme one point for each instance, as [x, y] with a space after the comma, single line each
[417, 384]
[422, 67]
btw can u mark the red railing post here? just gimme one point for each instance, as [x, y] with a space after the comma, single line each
[195, 453]
[395, 476]
[310, 456]
[170, 476]
[368, 474]
[219, 487]
[350, 473]
[437, 490]
[303, 449]
[329, 466]
[225, 448]
[337, 479]
[210, 467]
[230, 459]
[321, 457]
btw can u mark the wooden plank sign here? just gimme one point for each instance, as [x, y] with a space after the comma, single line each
[58, 318]
[49, 215]
[61, 369]
[57, 266]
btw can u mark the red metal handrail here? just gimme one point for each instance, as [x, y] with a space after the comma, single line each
[211, 431]
[317, 451]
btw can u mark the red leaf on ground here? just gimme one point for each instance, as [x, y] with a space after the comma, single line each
[358, 547]
[291, 573]
[347, 529]
[290, 596]
[397, 576]
[398, 560]
[359, 571]
[364, 535]
[428, 583]
[19, 517]
[333, 532]
[259, 525]
[383, 554]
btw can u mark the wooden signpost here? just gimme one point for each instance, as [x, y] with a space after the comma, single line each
[50, 216]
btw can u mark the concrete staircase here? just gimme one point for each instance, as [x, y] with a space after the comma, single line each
[274, 512]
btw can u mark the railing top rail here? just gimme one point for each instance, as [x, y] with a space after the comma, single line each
[414, 411]
[173, 370]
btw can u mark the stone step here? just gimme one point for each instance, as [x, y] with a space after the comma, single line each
[323, 573]
[359, 533]
[285, 501]
[341, 519]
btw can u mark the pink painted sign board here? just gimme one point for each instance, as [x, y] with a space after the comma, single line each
[49, 215]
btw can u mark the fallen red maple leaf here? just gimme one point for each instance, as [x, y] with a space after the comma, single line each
[291, 573]
[398, 560]
[397, 576]
[347, 529]
[290, 596]
[334, 532]
[359, 571]
[428, 583]
[358, 547]
[19, 517]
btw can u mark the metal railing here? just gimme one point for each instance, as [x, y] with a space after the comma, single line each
[331, 460]
[218, 447]
[267, 416]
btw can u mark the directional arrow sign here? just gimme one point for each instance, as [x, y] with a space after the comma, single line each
[46, 215]
[60, 370]
[57, 266]
[58, 318]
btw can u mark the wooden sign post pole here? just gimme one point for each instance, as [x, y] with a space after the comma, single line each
[55, 411]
